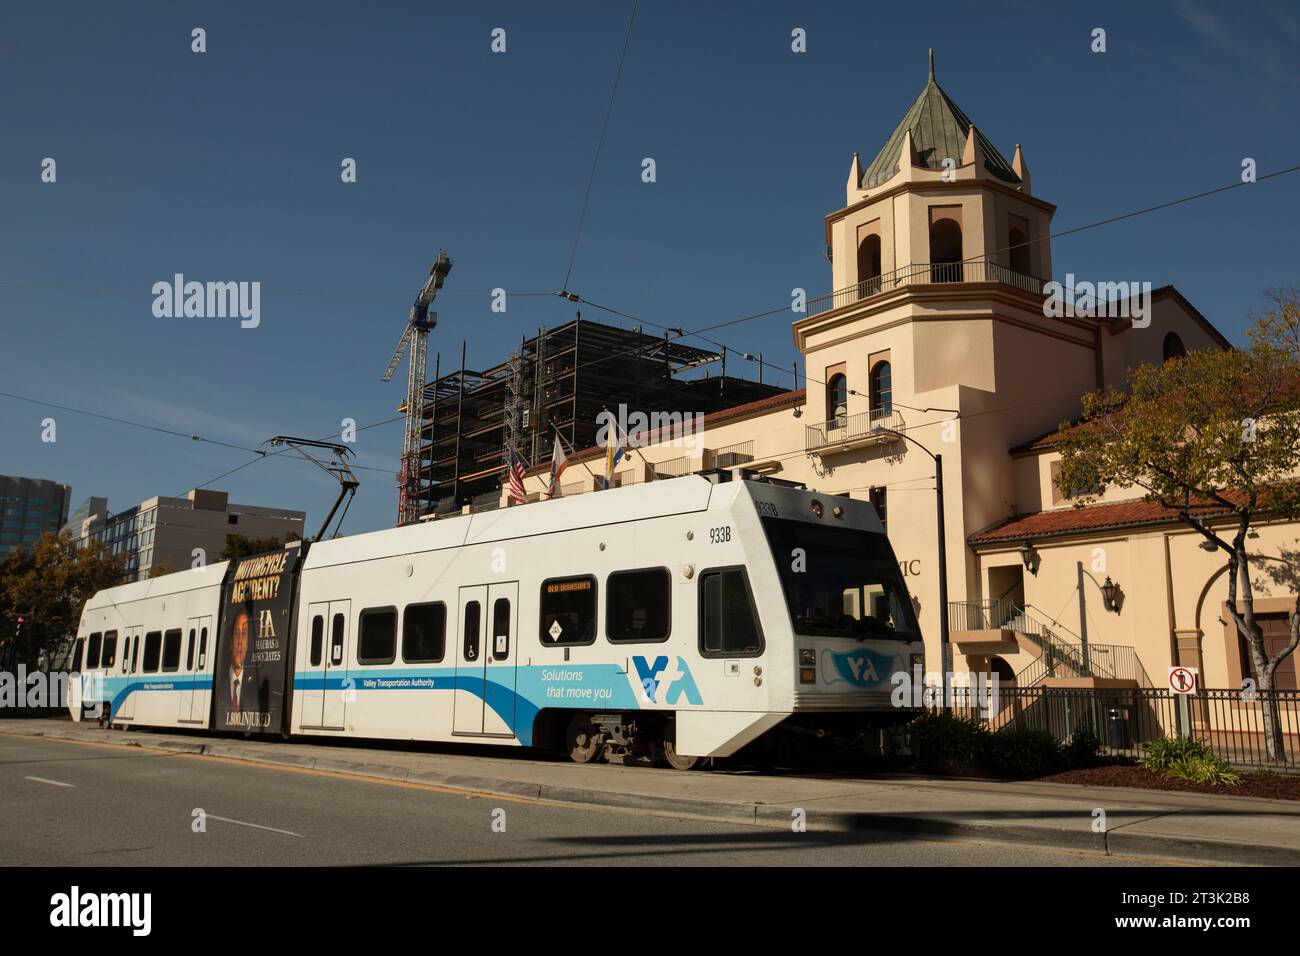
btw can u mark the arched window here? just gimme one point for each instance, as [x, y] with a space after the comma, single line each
[945, 251]
[1018, 251]
[882, 391]
[869, 267]
[837, 400]
[1173, 347]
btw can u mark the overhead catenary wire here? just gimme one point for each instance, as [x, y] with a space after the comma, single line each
[600, 142]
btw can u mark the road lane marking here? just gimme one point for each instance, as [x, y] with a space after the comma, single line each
[255, 826]
[53, 783]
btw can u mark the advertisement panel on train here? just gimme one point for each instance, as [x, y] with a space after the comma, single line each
[253, 652]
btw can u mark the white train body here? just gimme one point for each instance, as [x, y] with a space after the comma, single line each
[686, 612]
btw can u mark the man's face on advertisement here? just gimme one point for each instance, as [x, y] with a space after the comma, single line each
[239, 643]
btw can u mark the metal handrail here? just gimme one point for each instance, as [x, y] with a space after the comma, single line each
[927, 273]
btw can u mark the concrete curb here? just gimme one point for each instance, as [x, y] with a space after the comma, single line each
[776, 816]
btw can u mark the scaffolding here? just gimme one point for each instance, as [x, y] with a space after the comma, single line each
[558, 381]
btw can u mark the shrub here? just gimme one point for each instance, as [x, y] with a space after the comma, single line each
[1083, 747]
[1024, 751]
[946, 742]
[1186, 758]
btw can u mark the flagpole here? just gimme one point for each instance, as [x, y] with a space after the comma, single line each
[572, 450]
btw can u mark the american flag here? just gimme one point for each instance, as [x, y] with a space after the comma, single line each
[517, 494]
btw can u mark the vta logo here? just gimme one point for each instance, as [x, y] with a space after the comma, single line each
[673, 683]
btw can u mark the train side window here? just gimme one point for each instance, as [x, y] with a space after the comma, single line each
[152, 651]
[189, 652]
[472, 612]
[108, 656]
[317, 638]
[728, 619]
[336, 640]
[135, 653]
[501, 628]
[424, 633]
[568, 611]
[377, 636]
[92, 651]
[126, 655]
[171, 656]
[638, 606]
[203, 647]
[76, 654]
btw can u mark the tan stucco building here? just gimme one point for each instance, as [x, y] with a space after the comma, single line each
[941, 329]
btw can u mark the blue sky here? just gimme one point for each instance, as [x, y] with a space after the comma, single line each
[225, 166]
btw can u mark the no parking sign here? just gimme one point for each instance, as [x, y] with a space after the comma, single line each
[1182, 680]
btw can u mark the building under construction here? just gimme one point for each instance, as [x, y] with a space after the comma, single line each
[557, 382]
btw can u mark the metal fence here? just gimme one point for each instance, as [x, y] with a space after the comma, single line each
[1231, 722]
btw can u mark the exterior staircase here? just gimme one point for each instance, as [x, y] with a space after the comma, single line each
[1060, 653]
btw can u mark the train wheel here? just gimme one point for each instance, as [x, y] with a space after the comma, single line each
[581, 740]
[671, 756]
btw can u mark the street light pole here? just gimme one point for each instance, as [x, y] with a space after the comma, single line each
[943, 576]
[943, 556]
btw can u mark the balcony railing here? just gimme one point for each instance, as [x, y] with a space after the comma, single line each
[729, 456]
[864, 428]
[927, 273]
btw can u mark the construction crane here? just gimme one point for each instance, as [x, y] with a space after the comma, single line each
[416, 336]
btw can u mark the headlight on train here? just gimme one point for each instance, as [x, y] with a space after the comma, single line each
[807, 657]
[807, 675]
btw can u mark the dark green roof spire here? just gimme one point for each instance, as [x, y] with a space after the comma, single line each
[939, 129]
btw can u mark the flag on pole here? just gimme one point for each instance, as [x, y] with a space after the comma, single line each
[558, 463]
[517, 493]
[614, 452]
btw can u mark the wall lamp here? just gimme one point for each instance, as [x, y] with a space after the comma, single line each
[1030, 556]
[1109, 591]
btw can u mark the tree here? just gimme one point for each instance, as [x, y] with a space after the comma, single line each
[1213, 436]
[161, 568]
[48, 587]
[241, 546]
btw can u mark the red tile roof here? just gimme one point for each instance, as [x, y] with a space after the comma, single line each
[769, 404]
[1120, 514]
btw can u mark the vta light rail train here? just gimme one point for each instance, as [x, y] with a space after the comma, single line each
[670, 621]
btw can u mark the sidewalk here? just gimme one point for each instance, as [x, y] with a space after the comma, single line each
[1183, 826]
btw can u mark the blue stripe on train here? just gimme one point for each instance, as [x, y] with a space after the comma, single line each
[536, 686]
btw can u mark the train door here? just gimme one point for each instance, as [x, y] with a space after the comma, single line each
[325, 692]
[202, 702]
[186, 695]
[193, 702]
[467, 705]
[338, 689]
[135, 635]
[486, 661]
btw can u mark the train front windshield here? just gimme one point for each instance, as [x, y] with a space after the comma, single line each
[839, 582]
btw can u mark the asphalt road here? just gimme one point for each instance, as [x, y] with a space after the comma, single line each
[76, 804]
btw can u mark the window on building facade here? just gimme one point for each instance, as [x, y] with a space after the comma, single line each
[837, 399]
[882, 391]
[1276, 630]
[879, 501]
[945, 251]
[869, 266]
[1173, 347]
